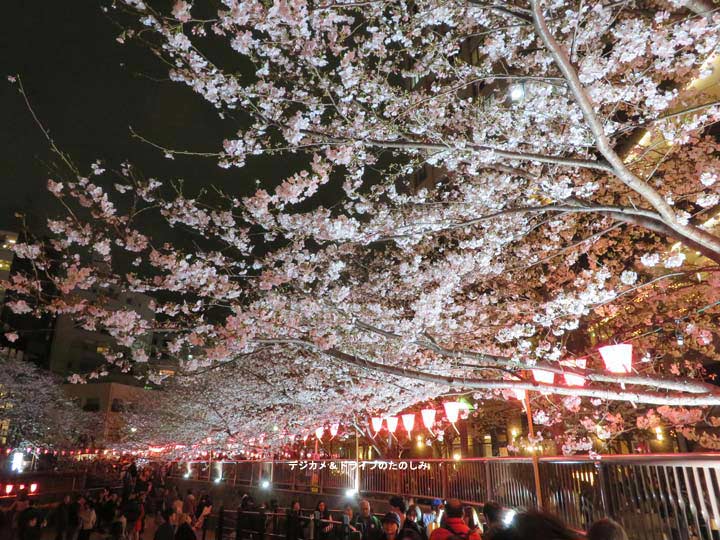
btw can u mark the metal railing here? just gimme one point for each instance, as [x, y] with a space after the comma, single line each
[660, 496]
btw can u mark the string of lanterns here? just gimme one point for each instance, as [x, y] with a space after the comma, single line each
[41, 450]
[617, 359]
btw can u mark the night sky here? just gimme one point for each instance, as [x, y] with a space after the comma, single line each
[87, 89]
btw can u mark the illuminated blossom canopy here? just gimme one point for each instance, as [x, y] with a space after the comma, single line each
[573, 187]
[36, 410]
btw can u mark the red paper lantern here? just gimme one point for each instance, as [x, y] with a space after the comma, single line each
[392, 423]
[334, 429]
[428, 416]
[408, 421]
[452, 410]
[319, 432]
[520, 394]
[543, 376]
[617, 358]
[376, 423]
[574, 380]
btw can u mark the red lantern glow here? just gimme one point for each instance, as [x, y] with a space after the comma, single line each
[319, 432]
[617, 358]
[542, 376]
[376, 423]
[574, 380]
[33, 488]
[392, 423]
[452, 410]
[334, 429]
[8, 489]
[408, 421]
[428, 416]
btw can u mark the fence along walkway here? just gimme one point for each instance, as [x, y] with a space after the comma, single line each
[660, 496]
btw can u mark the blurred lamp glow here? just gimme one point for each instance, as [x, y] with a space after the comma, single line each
[517, 92]
[18, 462]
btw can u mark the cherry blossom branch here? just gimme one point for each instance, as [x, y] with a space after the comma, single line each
[650, 398]
[602, 142]
[497, 152]
[682, 385]
[619, 213]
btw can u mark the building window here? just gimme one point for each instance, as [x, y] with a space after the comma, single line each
[92, 405]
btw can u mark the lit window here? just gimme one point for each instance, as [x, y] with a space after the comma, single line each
[102, 349]
[167, 372]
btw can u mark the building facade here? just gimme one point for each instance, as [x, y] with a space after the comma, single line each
[7, 242]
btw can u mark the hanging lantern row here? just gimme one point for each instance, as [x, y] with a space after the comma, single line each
[617, 359]
[37, 450]
[452, 412]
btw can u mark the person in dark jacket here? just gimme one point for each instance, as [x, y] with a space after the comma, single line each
[31, 529]
[185, 530]
[369, 525]
[294, 529]
[62, 519]
[411, 522]
[166, 531]
[132, 510]
[324, 524]
[391, 526]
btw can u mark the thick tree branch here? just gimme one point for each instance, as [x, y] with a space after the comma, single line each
[602, 142]
[710, 397]
[406, 144]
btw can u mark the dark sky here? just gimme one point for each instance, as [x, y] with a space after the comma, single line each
[87, 89]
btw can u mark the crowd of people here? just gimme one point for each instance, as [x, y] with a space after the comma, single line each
[145, 493]
[114, 515]
[442, 521]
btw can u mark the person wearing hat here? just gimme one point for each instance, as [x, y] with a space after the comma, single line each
[454, 527]
[391, 526]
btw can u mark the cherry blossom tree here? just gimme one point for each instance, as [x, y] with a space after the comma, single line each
[573, 204]
[36, 409]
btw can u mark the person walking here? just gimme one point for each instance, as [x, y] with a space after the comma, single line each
[369, 525]
[390, 526]
[166, 531]
[454, 527]
[62, 519]
[88, 519]
[293, 523]
[324, 521]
